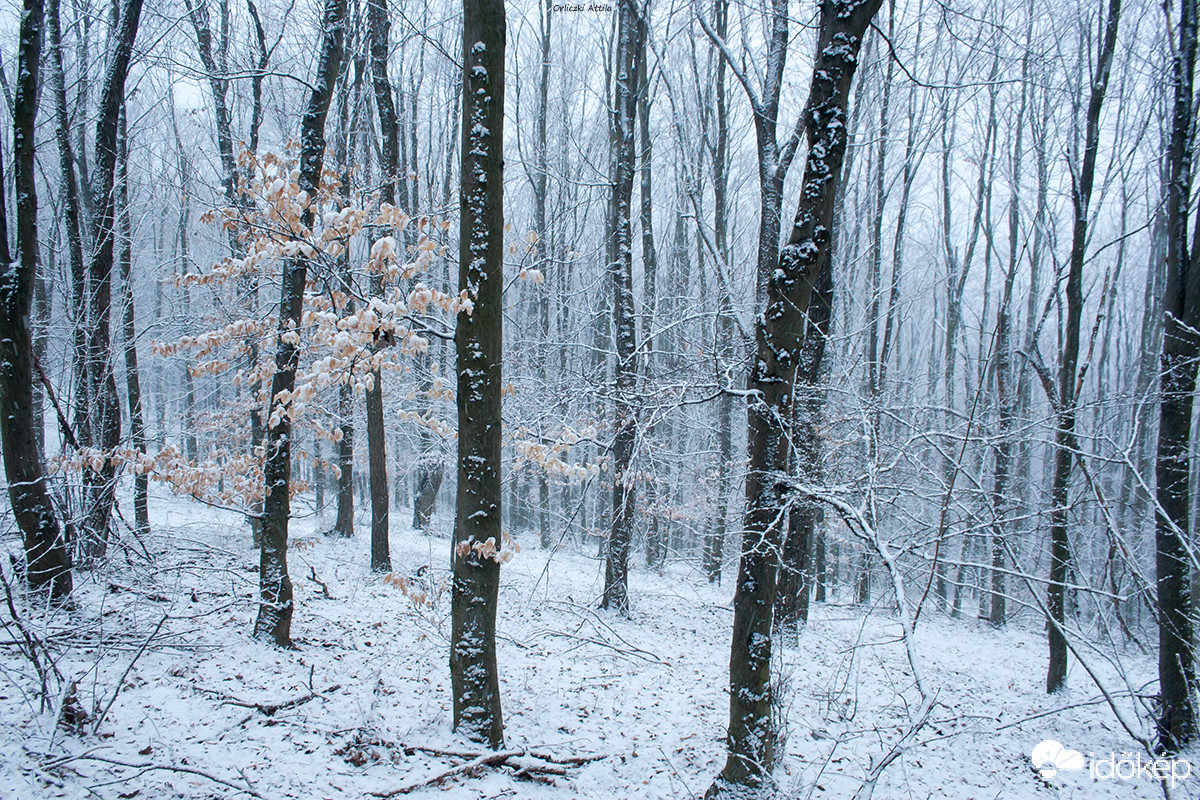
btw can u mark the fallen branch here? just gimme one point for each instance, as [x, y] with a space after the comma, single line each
[570, 761]
[483, 760]
[270, 709]
[549, 764]
[324, 586]
[156, 597]
[144, 768]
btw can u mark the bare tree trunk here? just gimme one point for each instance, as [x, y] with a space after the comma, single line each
[474, 676]
[1006, 397]
[620, 270]
[379, 26]
[1068, 383]
[714, 544]
[1181, 306]
[133, 381]
[779, 332]
[48, 561]
[74, 227]
[545, 247]
[106, 413]
[656, 549]
[274, 620]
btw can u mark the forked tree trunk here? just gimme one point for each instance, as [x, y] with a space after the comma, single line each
[1181, 307]
[790, 292]
[474, 676]
[48, 561]
[274, 620]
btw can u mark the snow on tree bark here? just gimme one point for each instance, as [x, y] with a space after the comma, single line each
[779, 333]
[47, 558]
[474, 675]
[100, 485]
[274, 620]
[620, 270]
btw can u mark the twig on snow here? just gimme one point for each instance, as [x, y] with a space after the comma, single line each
[125, 674]
[483, 760]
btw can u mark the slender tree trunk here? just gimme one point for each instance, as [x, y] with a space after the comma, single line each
[714, 545]
[779, 332]
[1068, 384]
[545, 247]
[106, 413]
[620, 270]
[379, 25]
[1006, 398]
[133, 381]
[274, 620]
[74, 227]
[1181, 306]
[48, 561]
[474, 676]
[344, 526]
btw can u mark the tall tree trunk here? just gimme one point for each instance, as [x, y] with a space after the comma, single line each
[620, 270]
[48, 561]
[790, 292]
[379, 25]
[714, 545]
[1181, 307]
[133, 381]
[1006, 398]
[74, 226]
[545, 247]
[274, 620]
[1068, 384]
[102, 390]
[474, 676]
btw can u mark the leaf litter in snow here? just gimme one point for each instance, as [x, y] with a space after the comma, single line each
[635, 707]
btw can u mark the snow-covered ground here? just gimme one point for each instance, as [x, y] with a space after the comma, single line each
[647, 693]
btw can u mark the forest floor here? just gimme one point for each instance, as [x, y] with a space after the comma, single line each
[365, 696]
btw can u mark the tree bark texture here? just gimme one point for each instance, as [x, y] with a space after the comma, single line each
[1181, 317]
[48, 561]
[620, 270]
[779, 334]
[379, 25]
[274, 620]
[474, 675]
